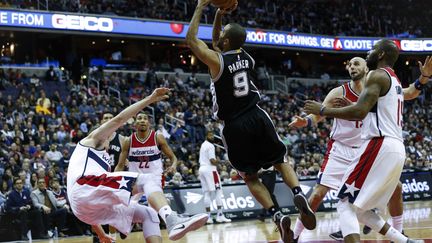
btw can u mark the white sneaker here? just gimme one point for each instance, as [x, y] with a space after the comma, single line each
[177, 227]
[210, 220]
[222, 219]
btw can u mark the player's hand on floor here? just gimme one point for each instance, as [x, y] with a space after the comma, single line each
[106, 239]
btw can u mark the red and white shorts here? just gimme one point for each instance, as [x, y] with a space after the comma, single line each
[104, 199]
[336, 161]
[210, 180]
[371, 179]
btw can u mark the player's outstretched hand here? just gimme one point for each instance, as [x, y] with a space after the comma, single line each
[223, 11]
[341, 102]
[298, 122]
[426, 68]
[312, 107]
[159, 94]
[105, 238]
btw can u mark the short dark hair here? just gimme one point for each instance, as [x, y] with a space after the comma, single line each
[236, 35]
[17, 179]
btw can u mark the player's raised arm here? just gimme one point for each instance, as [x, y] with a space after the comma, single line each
[217, 28]
[198, 47]
[415, 88]
[97, 138]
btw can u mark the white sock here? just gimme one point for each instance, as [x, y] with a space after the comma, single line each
[298, 228]
[397, 222]
[389, 221]
[396, 236]
[165, 211]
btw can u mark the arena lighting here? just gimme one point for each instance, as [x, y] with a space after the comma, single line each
[80, 23]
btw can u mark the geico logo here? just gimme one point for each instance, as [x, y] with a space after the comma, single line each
[330, 195]
[233, 202]
[414, 186]
[416, 45]
[74, 22]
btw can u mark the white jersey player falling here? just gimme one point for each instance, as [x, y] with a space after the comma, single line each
[91, 186]
[144, 155]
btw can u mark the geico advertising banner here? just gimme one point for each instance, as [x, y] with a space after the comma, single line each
[237, 201]
[176, 30]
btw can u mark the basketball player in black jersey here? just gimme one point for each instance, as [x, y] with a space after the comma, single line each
[115, 144]
[115, 148]
[249, 134]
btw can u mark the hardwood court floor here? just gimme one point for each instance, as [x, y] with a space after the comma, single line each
[417, 224]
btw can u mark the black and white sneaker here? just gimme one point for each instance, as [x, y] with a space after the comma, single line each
[283, 223]
[177, 227]
[337, 236]
[366, 229]
[307, 216]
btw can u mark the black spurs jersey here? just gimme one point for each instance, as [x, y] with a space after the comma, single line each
[233, 89]
[114, 151]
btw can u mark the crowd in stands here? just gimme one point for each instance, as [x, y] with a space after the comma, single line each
[39, 131]
[331, 17]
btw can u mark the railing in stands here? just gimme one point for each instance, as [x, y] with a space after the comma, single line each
[41, 5]
[172, 121]
[93, 81]
[169, 120]
[114, 92]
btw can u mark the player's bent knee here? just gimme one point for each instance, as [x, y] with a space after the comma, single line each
[150, 220]
[251, 178]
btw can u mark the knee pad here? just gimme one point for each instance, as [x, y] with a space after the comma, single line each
[371, 219]
[149, 219]
[347, 218]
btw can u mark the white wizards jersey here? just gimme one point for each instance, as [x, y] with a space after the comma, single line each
[207, 152]
[87, 161]
[145, 156]
[345, 131]
[385, 118]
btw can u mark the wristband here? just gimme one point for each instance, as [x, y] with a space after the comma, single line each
[321, 113]
[418, 85]
[309, 122]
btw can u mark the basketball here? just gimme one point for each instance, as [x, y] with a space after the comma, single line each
[224, 4]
